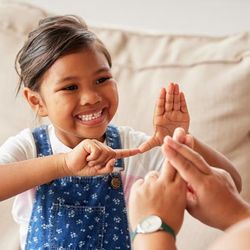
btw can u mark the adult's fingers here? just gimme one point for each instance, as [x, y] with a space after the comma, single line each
[181, 136]
[188, 171]
[190, 155]
[122, 153]
[189, 141]
[137, 184]
[168, 172]
[151, 176]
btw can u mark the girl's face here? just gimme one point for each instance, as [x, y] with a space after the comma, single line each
[79, 95]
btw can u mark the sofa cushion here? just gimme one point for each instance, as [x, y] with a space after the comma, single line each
[214, 74]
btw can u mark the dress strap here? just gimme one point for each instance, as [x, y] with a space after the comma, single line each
[113, 140]
[41, 137]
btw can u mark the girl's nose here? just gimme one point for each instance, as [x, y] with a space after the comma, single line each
[90, 96]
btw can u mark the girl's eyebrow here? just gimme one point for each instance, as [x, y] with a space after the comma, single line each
[102, 69]
[67, 79]
[75, 78]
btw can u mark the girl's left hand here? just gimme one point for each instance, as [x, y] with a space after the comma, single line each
[170, 112]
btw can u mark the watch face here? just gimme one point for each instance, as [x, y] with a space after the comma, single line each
[150, 224]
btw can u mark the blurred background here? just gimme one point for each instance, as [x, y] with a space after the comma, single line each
[206, 17]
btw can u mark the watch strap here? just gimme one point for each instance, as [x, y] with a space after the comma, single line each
[168, 229]
[164, 227]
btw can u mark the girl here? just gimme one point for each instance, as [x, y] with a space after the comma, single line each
[73, 199]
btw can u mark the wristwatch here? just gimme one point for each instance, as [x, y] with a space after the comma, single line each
[150, 224]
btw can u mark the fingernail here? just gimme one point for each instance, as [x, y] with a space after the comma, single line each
[167, 138]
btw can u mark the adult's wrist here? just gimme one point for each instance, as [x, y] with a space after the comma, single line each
[156, 240]
[152, 223]
[238, 215]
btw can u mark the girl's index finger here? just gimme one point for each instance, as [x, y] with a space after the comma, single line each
[123, 153]
[168, 172]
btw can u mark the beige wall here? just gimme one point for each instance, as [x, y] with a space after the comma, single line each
[211, 17]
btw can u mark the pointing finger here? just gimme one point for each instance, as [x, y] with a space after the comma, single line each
[122, 153]
[149, 144]
[168, 172]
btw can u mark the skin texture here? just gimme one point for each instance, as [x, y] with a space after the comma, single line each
[170, 112]
[202, 185]
[148, 196]
[205, 181]
[77, 84]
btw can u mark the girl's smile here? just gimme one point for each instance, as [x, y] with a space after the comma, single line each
[93, 118]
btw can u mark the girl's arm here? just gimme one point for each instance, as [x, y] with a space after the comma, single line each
[216, 159]
[88, 158]
[20, 176]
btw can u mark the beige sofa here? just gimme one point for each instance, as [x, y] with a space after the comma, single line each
[214, 73]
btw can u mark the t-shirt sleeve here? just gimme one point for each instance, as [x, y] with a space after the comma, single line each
[18, 148]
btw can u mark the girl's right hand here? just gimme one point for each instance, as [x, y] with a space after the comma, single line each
[91, 157]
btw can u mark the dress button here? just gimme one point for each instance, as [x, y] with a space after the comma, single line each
[115, 182]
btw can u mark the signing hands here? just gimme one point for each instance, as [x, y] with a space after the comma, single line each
[211, 195]
[162, 194]
[170, 112]
[92, 157]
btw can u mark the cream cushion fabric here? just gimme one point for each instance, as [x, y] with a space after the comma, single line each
[213, 72]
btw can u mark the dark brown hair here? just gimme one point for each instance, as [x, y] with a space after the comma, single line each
[54, 37]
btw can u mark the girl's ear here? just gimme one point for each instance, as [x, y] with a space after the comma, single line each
[35, 101]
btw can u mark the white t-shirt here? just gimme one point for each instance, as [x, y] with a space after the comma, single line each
[22, 147]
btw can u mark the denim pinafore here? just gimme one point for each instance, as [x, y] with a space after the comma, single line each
[79, 212]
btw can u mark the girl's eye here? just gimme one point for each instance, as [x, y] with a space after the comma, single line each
[102, 80]
[71, 87]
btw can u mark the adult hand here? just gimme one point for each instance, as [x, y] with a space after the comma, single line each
[213, 199]
[162, 194]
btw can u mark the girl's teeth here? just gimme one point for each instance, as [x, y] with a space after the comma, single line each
[90, 116]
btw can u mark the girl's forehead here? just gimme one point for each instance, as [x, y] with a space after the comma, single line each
[85, 57]
[84, 62]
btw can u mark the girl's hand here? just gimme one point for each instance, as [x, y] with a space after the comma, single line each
[91, 157]
[170, 112]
